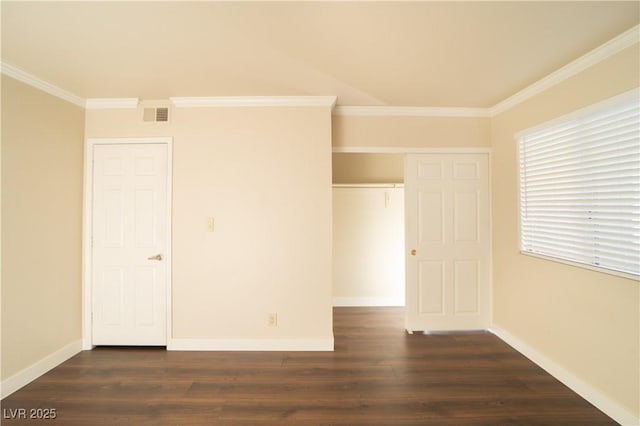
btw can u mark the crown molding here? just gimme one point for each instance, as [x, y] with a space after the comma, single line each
[398, 111]
[408, 150]
[31, 80]
[254, 101]
[608, 49]
[111, 103]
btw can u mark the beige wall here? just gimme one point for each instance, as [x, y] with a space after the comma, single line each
[368, 168]
[42, 147]
[587, 322]
[264, 174]
[414, 132]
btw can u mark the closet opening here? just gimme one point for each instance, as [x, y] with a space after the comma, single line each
[368, 230]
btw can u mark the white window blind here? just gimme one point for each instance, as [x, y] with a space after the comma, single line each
[580, 187]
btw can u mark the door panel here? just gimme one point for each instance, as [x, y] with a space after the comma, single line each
[144, 219]
[145, 284]
[447, 211]
[431, 287]
[129, 226]
[430, 225]
[465, 217]
[111, 279]
[466, 286]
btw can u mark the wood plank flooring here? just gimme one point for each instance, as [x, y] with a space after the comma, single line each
[378, 375]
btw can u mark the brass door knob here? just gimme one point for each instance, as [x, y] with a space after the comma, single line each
[157, 257]
[414, 252]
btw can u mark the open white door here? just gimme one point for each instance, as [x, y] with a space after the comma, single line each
[129, 243]
[448, 241]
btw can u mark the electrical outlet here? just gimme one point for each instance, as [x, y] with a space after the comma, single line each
[272, 320]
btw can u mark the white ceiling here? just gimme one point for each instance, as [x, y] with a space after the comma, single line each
[439, 54]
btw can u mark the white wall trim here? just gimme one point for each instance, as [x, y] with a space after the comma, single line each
[585, 390]
[87, 214]
[254, 101]
[112, 103]
[608, 49]
[400, 111]
[406, 150]
[368, 301]
[33, 81]
[250, 344]
[29, 374]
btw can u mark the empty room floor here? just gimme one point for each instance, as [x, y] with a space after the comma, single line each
[377, 375]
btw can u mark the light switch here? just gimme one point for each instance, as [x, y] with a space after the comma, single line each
[210, 224]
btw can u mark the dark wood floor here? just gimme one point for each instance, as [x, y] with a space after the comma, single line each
[378, 375]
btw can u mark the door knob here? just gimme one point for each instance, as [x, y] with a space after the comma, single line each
[414, 252]
[156, 257]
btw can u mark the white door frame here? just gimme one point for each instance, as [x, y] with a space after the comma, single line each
[87, 226]
[436, 150]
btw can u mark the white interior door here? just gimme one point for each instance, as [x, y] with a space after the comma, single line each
[129, 233]
[448, 241]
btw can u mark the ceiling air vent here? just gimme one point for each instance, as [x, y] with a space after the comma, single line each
[159, 115]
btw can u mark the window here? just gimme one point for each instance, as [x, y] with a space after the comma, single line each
[580, 187]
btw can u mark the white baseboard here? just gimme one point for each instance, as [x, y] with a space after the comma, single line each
[250, 344]
[29, 374]
[579, 386]
[367, 301]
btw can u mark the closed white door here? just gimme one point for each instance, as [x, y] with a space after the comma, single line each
[129, 232]
[448, 241]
